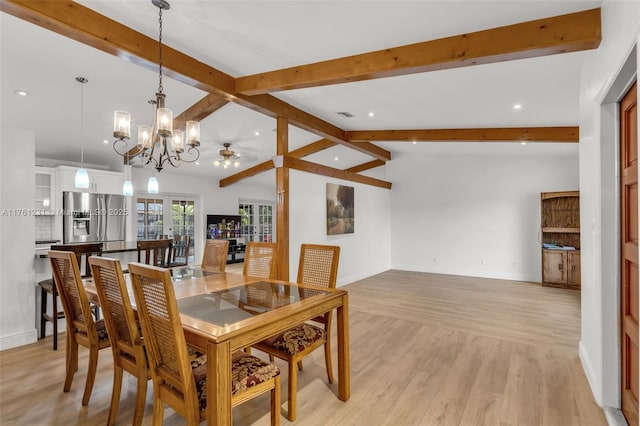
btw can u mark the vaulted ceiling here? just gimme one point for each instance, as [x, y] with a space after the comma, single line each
[253, 43]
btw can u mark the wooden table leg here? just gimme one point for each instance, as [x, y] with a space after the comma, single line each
[344, 379]
[219, 384]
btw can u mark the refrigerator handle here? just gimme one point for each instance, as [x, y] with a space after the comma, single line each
[100, 215]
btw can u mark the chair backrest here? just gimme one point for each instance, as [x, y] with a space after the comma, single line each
[154, 252]
[164, 339]
[119, 318]
[260, 260]
[318, 265]
[215, 253]
[180, 250]
[66, 274]
[82, 252]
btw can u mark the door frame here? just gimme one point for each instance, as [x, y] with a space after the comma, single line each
[608, 392]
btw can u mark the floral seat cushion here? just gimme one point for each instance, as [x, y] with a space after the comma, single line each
[297, 339]
[246, 371]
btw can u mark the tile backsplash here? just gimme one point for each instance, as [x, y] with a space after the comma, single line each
[43, 227]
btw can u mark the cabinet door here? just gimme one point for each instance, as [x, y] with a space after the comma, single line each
[44, 202]
[106, 182]
[573, 268]
[554, 266]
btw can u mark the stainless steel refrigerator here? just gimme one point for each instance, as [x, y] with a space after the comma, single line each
[93, 217]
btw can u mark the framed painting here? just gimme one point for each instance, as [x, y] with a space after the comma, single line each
[340, 218]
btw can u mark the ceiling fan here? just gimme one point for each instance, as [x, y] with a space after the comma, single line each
[228, 157]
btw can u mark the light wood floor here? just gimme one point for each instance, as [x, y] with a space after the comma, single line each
[426, 349]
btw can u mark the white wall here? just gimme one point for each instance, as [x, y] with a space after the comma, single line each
[364, 253]
[599, 344]
[17, 239]
[465, 209]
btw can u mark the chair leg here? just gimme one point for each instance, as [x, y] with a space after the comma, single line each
[275, 402]
[54, 316]
[271, 358]
[115, 394]
[91, 374]
[293, 384]
[141, 398]
[158, 409]
[72, 360]
[300, 365]
[43, 310]
[327, 360]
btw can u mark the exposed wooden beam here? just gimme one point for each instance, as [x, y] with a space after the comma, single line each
[282, 202]
[251, 171]
[365, 166]
[197, 112]
[274, 107]
[506, 134]
[312, 148]
[559, 34]
[82, 24]
[200, 110]
[319, 169]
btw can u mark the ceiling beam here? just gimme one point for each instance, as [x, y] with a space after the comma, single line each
[542, 37]
[82, 24]
[312, 148]
[319, 169]
[506, 134]
[365, 166]
[196, 112]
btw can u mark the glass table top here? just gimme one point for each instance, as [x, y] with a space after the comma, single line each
[225, 307]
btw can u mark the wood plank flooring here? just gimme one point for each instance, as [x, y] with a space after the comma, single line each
[426, 350]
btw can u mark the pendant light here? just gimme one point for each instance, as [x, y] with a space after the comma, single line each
[82, 177]
[152, 185]
[127, 186]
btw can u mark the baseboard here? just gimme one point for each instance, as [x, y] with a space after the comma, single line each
[615, 417]
[357, 277]
[588, 371]
[477, 273]
[18, 339]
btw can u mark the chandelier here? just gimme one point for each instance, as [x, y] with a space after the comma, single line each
[158, 144]
[228, 157]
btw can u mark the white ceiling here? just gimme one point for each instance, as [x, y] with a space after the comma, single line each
[246, 37]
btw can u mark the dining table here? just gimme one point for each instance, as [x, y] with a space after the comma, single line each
[222, 313]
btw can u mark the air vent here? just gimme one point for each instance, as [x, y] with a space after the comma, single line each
[345, 114]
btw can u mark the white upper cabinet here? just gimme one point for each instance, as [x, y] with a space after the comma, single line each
[100, 181]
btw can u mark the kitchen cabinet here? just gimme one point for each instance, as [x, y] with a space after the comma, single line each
[560, 230]
[44, 199]
[100, 181]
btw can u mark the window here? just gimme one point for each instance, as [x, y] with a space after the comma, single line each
[149, 218]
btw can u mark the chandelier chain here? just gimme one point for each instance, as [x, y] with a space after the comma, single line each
[160, 88]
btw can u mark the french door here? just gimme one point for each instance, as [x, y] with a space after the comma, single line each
[629, 250]
[164, 217]
[257, 220]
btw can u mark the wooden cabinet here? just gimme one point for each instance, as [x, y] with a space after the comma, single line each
[560, 230]
[100, 181]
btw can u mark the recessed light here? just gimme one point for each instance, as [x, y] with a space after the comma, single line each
[257, 133]
[21, 92]
[197, 163]
[372, 114]
[517, 106]
[335, 159]
[523, 143]
[105, 141]
[414, 142]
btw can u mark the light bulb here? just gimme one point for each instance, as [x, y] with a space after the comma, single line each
[216, 163]
[236, 164]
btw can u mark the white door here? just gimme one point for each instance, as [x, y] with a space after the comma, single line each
[257, 221]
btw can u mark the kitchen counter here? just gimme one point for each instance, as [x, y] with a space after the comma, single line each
[107, 247]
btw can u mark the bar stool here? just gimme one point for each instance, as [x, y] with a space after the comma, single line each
[47, 287]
